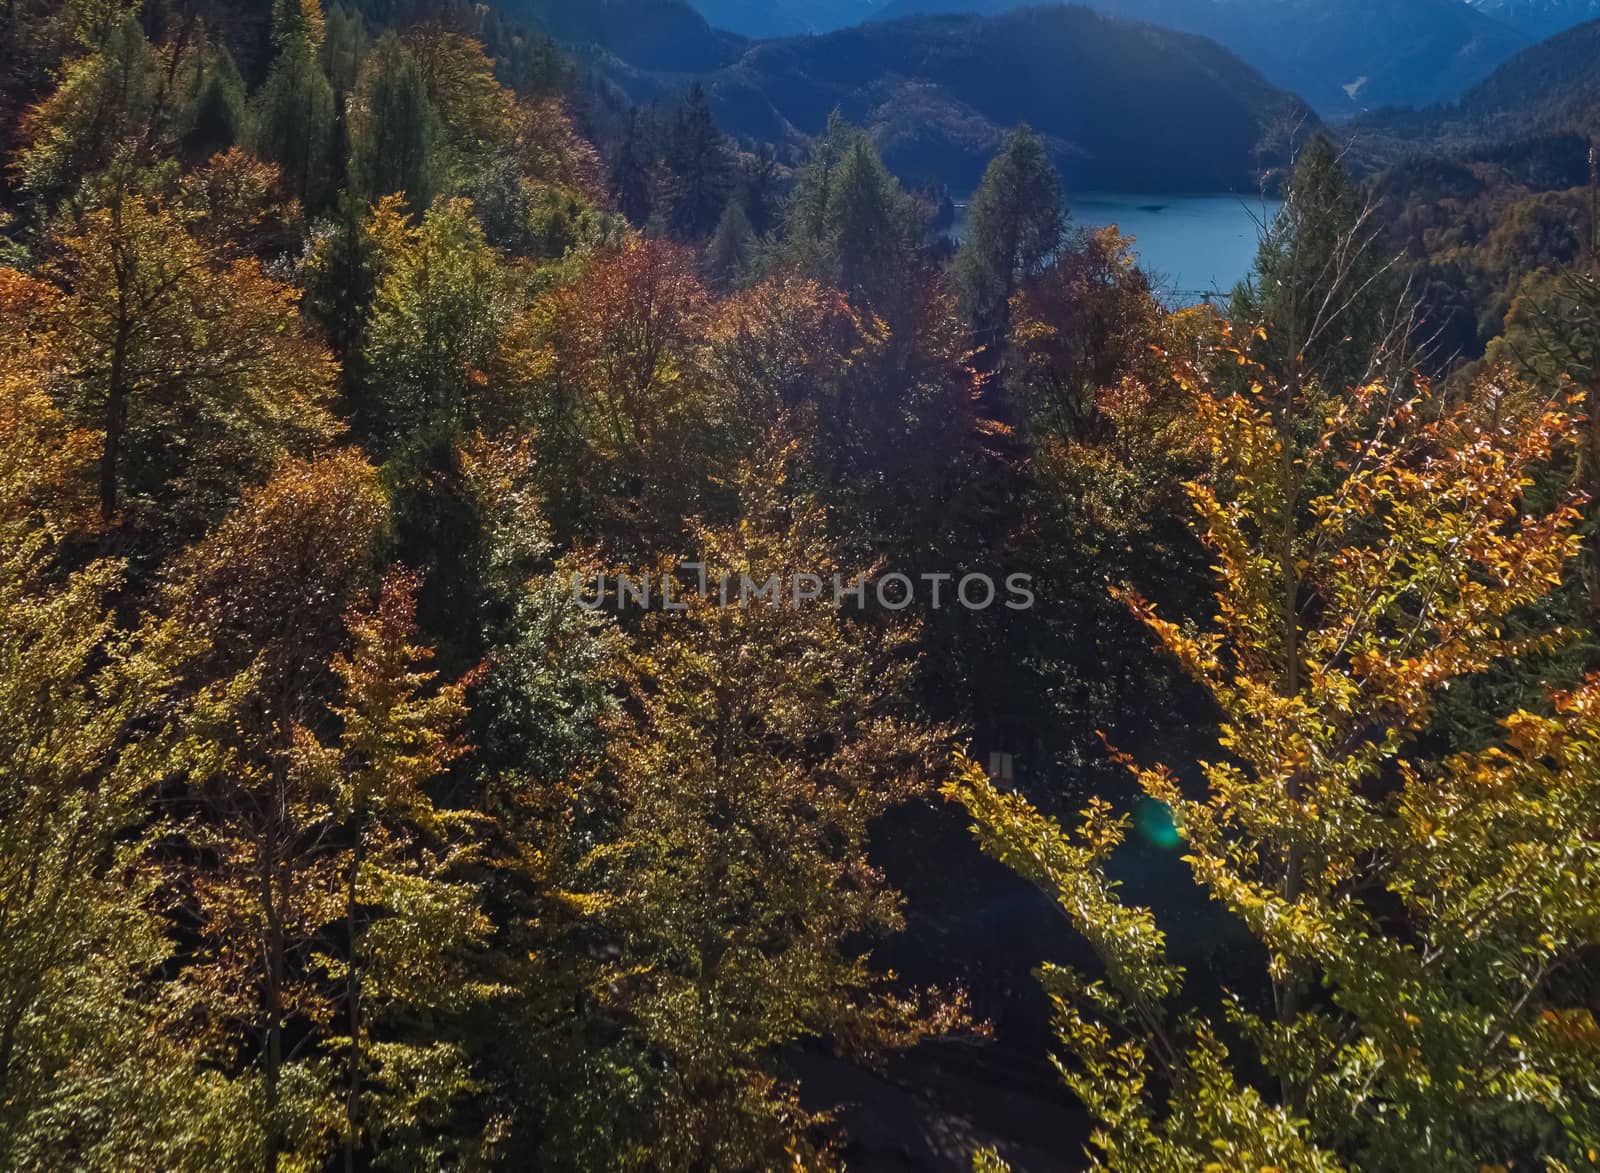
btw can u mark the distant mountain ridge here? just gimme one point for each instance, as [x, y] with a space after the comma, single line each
[787, 18]
[1555, 82]
[1121, 105]
[1343, 56]
[666, 35]
[1540, 18]
[1552, 88]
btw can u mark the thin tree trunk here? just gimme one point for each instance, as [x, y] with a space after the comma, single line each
[116, 423]
[1287, 989]
[274, 1006]
[353, 996]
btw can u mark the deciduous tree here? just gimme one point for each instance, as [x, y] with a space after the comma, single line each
[192, 366]
[1415, 915]
[719, 853]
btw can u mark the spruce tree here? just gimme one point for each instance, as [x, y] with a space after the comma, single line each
[700, 175]
[1323, 291]
[869, 226]
[295, 111]
[1015, 225]
[631, 170]
[219, 116]
[394, 129]
[732, 247]
[850, 225]
[343, 48]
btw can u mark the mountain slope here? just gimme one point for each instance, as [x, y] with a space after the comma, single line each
[1120, 104]
[1540, 18]
[1548, 91]
[1557, 82]
[668, 35]
[786, 18]
[1342, 56]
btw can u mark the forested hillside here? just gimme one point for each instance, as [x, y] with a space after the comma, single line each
[666, 35]
[1343, 56]
[1540, 18]
[1120, 105]
[536, 634]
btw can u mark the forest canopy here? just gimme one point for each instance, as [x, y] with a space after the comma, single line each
[349, 819]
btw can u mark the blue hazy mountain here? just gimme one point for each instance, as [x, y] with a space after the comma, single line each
[787, 18]
[1120, 104]
[1540, 18]
[1343, 56]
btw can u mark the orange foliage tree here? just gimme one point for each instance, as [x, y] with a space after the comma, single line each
[1414, 915]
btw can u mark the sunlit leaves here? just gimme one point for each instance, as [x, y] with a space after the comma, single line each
[1413, 913]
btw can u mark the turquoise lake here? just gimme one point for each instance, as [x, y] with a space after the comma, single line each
[1192, 245]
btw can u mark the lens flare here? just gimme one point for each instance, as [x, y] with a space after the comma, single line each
[1153, 820]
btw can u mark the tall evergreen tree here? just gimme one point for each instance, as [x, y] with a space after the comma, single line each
[295, 114]
[870, 229]
[343, 47]
[220, 116]
[631, 172]
[1015, 225]
[109, 105]
[1323, 290]
[394, 129]
[808, 207]
[732, 247]
[699, 171]
[851, 226]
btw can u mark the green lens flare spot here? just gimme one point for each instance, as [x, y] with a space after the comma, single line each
[1154, 822]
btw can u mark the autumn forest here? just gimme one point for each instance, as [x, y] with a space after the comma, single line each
[1172, 743]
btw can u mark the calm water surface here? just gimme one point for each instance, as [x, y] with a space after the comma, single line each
[1192, 246]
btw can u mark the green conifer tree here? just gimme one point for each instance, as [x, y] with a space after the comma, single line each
[1015, 225]
[394, 129]
[732, 248]
[295, 111]
[1323, 291]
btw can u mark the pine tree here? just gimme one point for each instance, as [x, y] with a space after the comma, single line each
[394, 129]
[1323, 292]
[296, 23]
[699, 171]
[109, 106]
[343, 47]
[759, 191]
[1014, 227]
[220, 117]
[869, 226]
[294, 114]
[806, 224]
[632, 167]
[849, 224]
[732, 248]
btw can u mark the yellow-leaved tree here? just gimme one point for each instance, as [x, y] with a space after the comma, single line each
[1421, 916]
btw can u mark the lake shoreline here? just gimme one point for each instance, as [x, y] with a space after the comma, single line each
[1195, 247]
